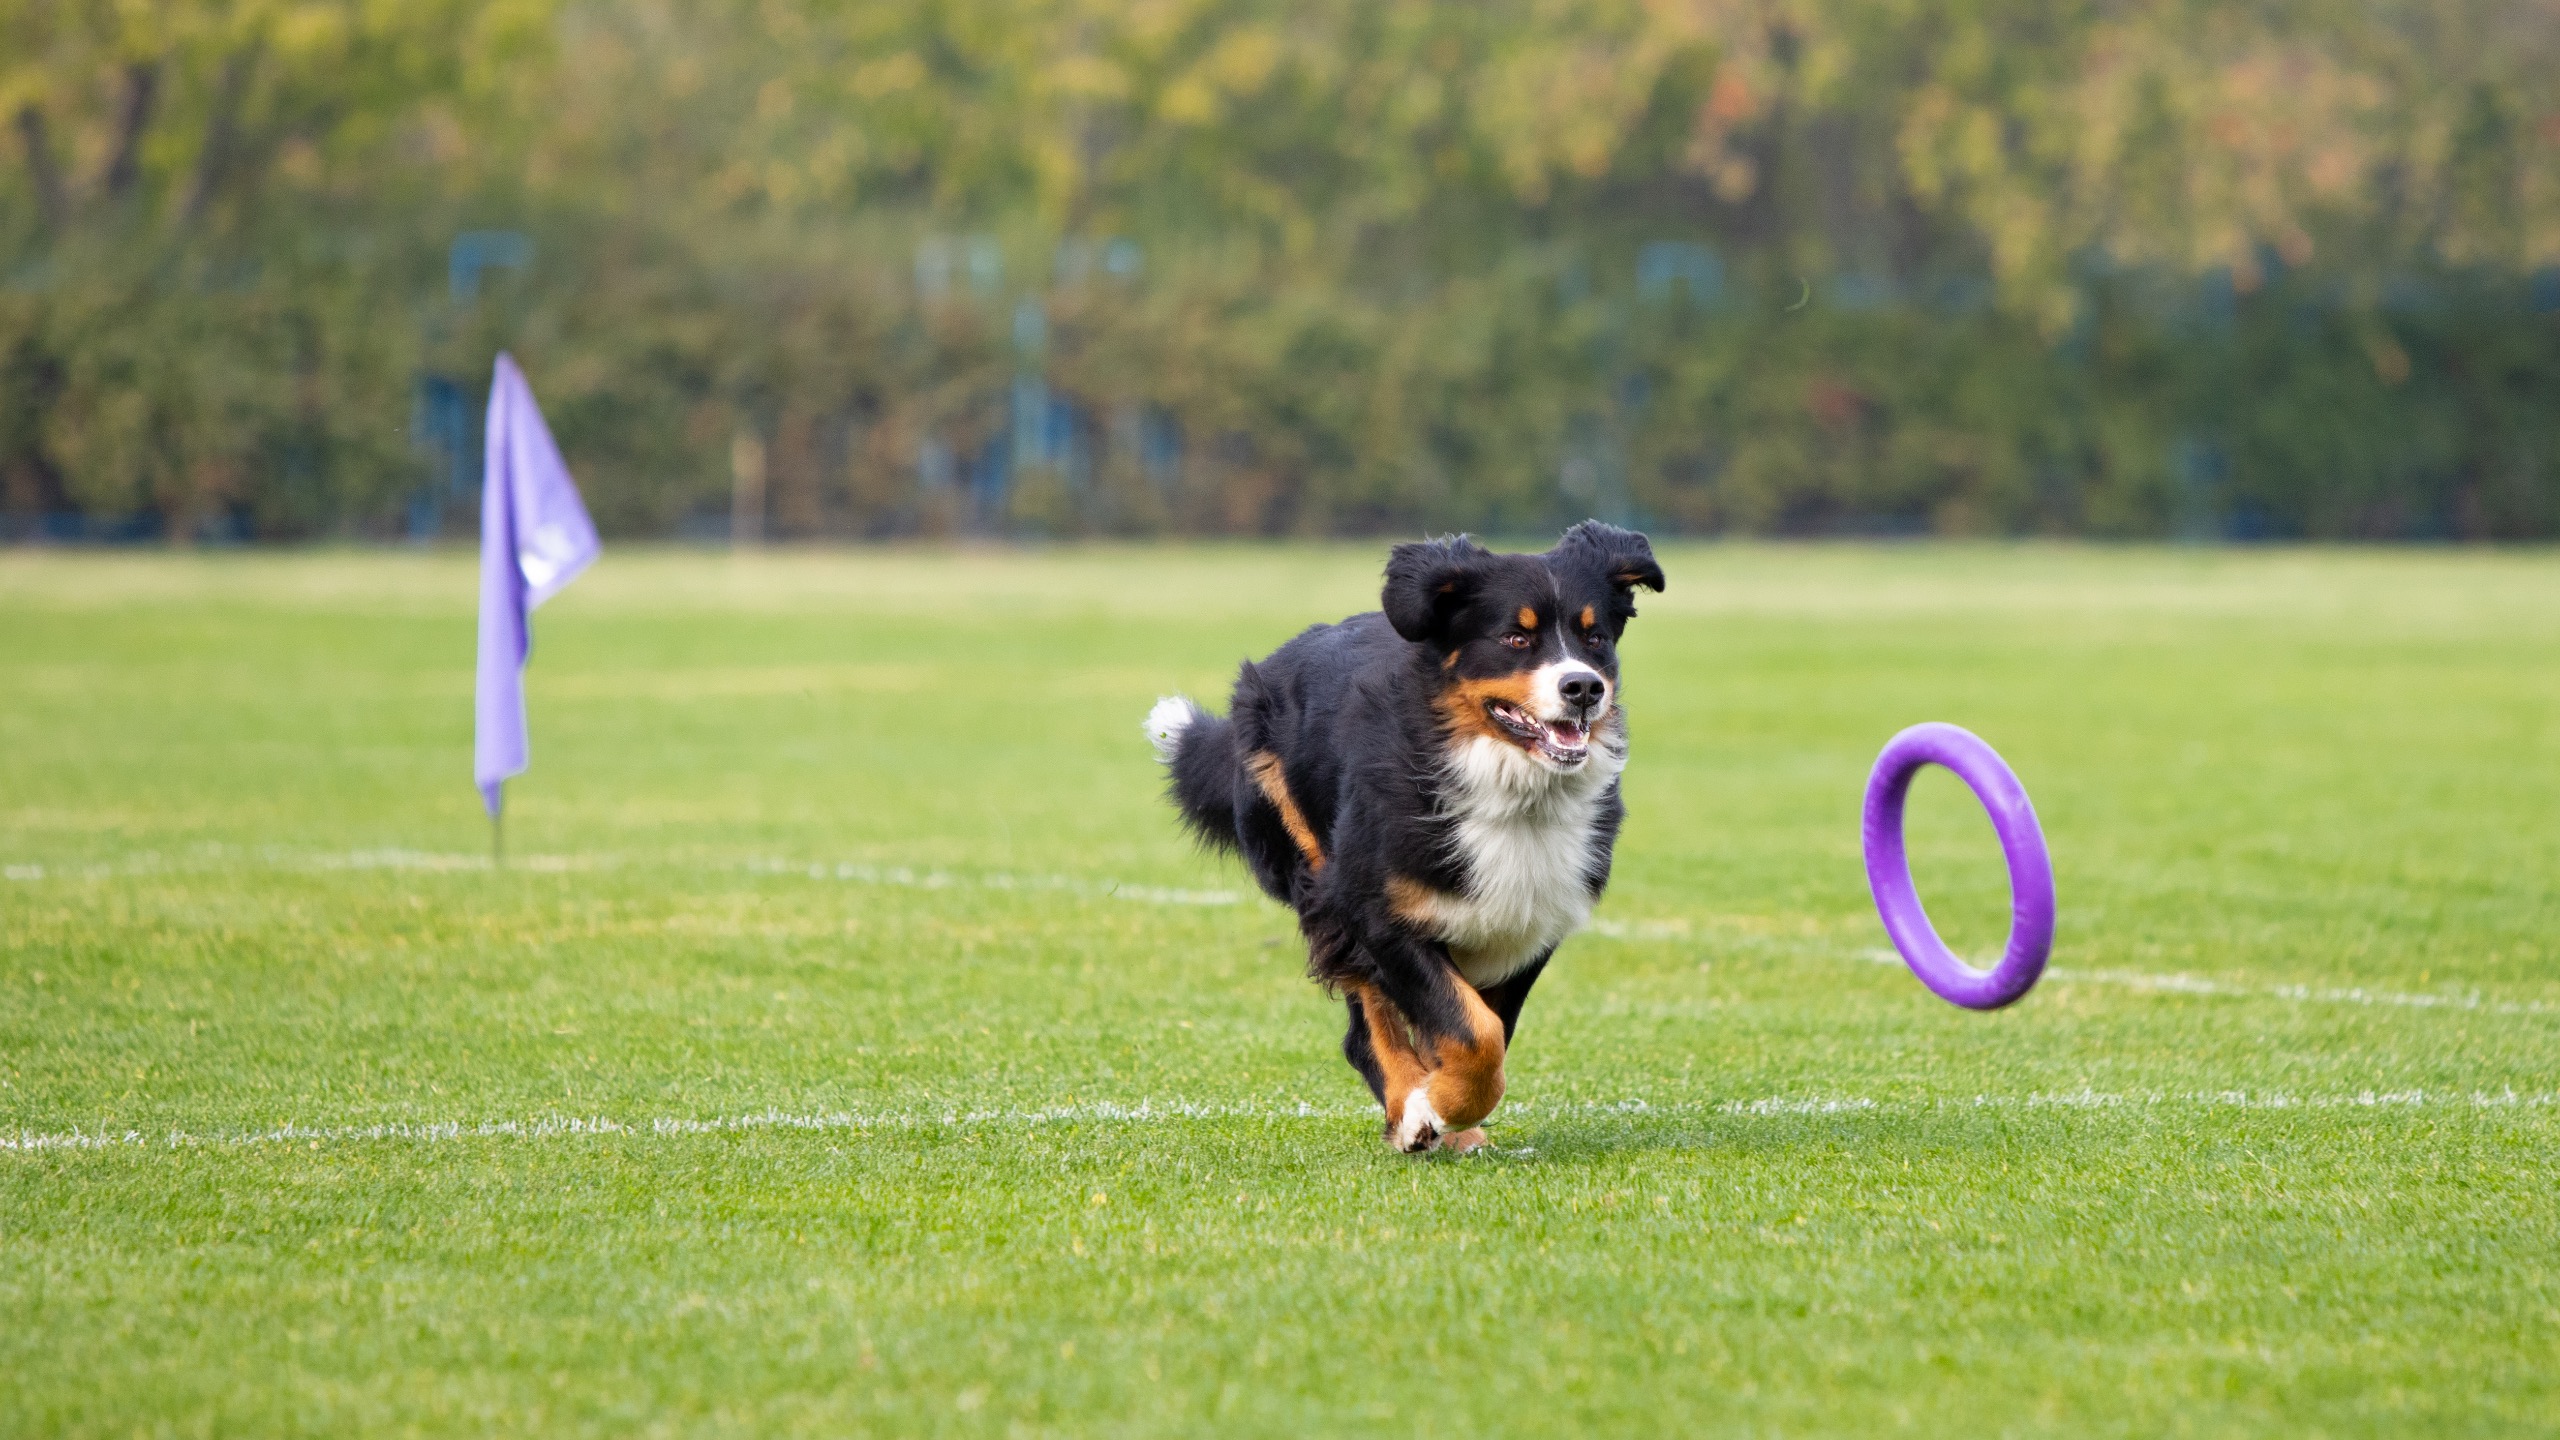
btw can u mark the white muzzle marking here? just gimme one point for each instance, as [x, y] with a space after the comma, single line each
[1550, 727]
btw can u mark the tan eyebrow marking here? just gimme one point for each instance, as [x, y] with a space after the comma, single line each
[1588, 618]
[1528, 618]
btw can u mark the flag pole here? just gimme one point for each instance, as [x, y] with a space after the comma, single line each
[498, 828]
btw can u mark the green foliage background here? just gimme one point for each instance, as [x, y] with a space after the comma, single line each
[1793, 266]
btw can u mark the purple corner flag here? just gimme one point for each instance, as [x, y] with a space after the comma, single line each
[534, 539]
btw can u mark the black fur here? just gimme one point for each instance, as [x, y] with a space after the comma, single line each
[1364, 717]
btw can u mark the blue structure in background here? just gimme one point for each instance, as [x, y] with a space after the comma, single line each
[1860, 290]
[1075, 261]
[1042, 429]
[1663, 264]
[976, 259]
[1030, 383]
[444, 422]
[936, 467]
[1159, 448]
[2203, 475]
[445, 417]
[476, 250]
[991, 482]
[933, 269]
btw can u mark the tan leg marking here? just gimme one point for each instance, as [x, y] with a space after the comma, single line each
[1466, 1140]
[1415, 903]
[1399, 1064]
[1466, 1076]
[1265, 769]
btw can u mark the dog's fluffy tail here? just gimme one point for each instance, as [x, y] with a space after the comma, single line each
[1201, 764]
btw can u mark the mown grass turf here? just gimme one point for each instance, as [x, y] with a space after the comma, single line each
[852, 1046]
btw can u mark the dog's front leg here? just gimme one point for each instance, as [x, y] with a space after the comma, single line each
[1402, 1072]
[1457, 1043]
[1466, 1082]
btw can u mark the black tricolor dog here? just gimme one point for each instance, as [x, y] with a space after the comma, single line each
[1434, 790]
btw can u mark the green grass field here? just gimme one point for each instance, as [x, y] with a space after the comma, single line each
[852, 1045]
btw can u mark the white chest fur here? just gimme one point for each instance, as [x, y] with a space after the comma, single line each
[1526, 834]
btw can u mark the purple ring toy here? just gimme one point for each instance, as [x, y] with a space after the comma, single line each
[2021, 840]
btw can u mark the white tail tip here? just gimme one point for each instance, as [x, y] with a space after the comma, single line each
[1166, 722]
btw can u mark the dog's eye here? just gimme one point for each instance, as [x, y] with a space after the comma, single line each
[1515, 640]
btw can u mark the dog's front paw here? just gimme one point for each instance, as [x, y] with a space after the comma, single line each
[1419, 1128]
[1465, 1141]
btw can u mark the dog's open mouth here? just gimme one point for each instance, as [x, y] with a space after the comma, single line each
[1566, 742]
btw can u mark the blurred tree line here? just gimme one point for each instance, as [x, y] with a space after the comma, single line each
[1233, 266]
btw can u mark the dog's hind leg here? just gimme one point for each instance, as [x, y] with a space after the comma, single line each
[1363, 1055]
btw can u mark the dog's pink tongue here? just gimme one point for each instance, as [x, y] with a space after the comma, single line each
[1564, 732]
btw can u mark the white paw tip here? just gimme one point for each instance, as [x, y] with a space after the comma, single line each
[1419, 1128]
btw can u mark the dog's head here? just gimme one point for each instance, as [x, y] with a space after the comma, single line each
[1526, 645]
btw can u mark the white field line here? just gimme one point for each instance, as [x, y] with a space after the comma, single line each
[2180, 984]
[1169, 1112]
[2159, 983]
[552, 1127]
[907, 877]
[215, 859]
[901, 876]
[2507, 1098]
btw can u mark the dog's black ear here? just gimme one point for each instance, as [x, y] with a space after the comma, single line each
[1429, 582]
[1623, 557]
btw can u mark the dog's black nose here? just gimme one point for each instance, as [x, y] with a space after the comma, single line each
[1582, 691]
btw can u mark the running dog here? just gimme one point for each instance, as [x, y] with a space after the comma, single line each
[1433, 788]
